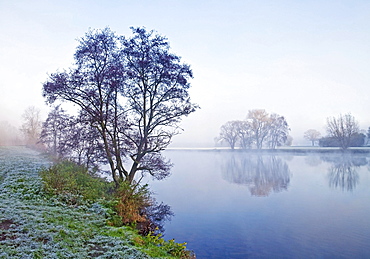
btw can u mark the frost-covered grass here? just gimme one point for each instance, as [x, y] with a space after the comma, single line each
[36, 225]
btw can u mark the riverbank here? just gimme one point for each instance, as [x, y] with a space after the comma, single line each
[35, 225]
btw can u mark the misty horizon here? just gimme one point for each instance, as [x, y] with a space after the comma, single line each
[305, 61]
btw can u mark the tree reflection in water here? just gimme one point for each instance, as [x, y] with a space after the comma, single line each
[312, 160]
[342, 173]
[261, 173]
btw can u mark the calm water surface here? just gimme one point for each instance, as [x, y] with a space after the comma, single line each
[241, 205]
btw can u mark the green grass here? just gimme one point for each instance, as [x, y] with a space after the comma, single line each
[67, 177]
[38, 223]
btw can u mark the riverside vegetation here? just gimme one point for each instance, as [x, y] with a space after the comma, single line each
[61, 211]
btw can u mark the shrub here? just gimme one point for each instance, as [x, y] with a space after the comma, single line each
[177, 250]
[132, 201]
[73, 181]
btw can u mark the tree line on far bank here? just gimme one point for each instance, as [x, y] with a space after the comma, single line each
[260, 129]
[342, 131]
[263, 130]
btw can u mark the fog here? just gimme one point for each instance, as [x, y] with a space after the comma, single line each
[10, 135]
[304, 60]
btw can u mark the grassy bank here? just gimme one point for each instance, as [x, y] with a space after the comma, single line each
[34, 224]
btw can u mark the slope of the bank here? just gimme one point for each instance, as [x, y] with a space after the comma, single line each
[33, 226]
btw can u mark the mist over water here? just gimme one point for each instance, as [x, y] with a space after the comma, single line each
[246, 205]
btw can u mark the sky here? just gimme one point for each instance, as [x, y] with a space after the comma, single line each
[304, 60]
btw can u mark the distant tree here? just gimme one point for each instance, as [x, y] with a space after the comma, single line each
[342, 129]
[54, 132]
[245, 134]
[31, 127]
[72, 138]
[260, 122]
[358, 140]
[229, 132]
[312, 135]
[267, 129]
[259, 128]
[278, 132]
[328, 142]
[289, 141]
[134, 93]
[368, 136]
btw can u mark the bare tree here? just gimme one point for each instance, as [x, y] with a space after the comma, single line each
[259, 128]
[288, 141]
[133, 91]
[342, 129]
[312, 135]
[229, 132]
[278, 132]
[31, 127]
[69, 137]
[259, 121]
[157, 96]
[94, 86]
[245, 134]
[84, 144]
[53, 134]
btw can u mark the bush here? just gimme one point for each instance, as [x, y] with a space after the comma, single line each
[132, 200]
[74, 182]
[177, 250]
[127, 205]
[357, 140]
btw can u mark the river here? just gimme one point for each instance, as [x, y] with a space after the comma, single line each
[245, 205]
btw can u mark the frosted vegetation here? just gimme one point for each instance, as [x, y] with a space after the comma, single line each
[36, 225]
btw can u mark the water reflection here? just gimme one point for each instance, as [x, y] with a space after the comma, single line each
[313, 160]
[343, 171]
[308, 219]
[261, 173]
[343, 176]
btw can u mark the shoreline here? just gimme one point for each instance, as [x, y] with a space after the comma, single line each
[299, 150]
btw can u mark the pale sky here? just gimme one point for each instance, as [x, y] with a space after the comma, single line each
[305, 60]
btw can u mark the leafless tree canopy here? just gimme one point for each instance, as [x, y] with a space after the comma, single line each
[133, 92]
[342, 128]
[31, 127]
[230, 133]
[259, 129]
[312, 135]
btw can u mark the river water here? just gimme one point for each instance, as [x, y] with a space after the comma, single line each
[244, 205]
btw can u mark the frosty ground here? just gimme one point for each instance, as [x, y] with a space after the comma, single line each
[34, 225]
